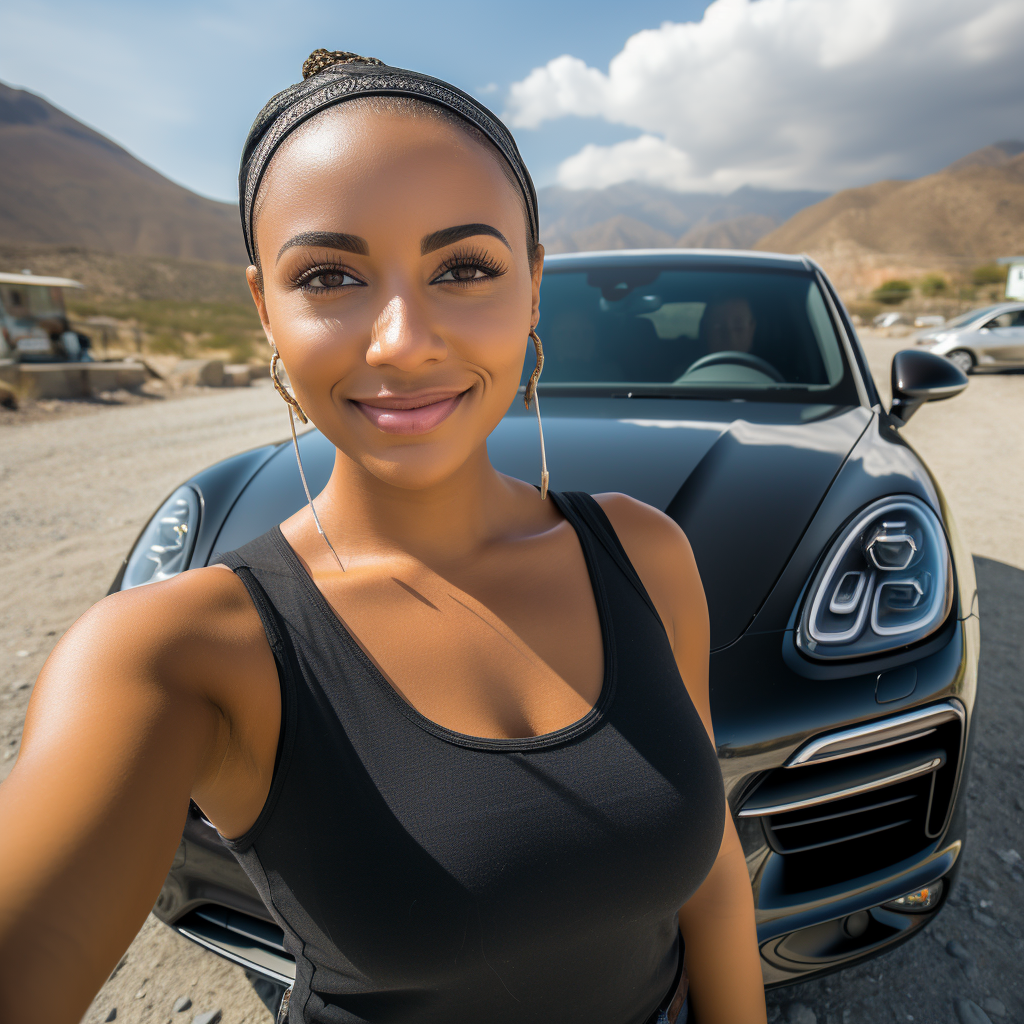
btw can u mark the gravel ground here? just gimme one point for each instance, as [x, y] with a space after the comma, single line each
[77, 483]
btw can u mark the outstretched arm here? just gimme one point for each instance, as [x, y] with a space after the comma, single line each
[119, 734]
[717, 923]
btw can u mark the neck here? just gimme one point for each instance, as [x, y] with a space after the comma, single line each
[367, 518]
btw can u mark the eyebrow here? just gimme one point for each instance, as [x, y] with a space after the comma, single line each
[327, 240]
[447, 236]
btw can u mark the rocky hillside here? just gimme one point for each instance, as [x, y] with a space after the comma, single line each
[972, 211]
[63, 183]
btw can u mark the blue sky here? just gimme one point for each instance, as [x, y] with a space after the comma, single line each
[179, 84]
[689, 95]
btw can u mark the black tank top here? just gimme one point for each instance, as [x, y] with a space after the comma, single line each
[422, 876]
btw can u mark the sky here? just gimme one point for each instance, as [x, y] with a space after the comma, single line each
[688, 95]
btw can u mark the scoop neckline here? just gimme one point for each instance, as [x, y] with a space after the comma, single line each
[519, 743]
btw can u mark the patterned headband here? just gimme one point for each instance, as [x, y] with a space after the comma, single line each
[331, 77]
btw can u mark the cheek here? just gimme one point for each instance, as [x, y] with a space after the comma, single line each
[493, 336]
[315, 345]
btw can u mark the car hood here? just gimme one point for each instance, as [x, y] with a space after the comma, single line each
[742, 478]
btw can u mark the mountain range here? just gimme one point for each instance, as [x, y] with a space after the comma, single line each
[67, 191]
[61, 182]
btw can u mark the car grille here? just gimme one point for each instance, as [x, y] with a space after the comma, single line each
[256, 945]
[858, 801]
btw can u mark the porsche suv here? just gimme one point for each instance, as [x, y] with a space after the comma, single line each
[729, 390]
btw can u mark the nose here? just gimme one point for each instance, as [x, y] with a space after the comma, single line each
[403, 338]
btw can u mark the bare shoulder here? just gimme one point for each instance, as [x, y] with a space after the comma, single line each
[661, 555]
[190, 631]
[663, 559]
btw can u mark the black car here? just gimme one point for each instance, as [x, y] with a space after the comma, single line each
[730, 390]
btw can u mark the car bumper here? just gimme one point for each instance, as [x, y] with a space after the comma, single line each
[829, 841]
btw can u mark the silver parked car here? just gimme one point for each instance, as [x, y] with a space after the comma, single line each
[992, 337]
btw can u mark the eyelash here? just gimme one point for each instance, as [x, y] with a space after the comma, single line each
[476, 258]
[310, 273]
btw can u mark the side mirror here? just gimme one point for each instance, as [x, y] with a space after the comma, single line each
[919, 377]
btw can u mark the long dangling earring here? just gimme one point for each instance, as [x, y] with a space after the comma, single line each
[294, 407]
[531, 396]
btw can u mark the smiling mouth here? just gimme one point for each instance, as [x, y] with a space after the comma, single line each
[409, 414]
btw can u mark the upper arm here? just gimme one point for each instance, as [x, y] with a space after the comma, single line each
[120, 730]
[664, 560]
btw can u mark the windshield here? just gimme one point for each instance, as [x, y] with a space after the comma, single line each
[674, 331]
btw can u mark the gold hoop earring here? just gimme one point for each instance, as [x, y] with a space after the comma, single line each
[282, 390]
[294, 407]
[531, 396]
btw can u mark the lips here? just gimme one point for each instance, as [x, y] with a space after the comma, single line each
[409, 414]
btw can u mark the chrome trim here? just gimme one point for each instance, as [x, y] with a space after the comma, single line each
[251, 965]
[886, 538]
[921, 721]
[866, 787]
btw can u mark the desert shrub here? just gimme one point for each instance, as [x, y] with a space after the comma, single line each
[893, 292]
[166, 343]
[932, 285]
[867, 310]
[989, 273]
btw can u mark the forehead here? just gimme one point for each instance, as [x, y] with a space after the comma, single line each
[352, 163]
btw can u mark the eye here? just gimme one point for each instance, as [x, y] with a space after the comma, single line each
[463, 273]
[468, 266]
[324, 279]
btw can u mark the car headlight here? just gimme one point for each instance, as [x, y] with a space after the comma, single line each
[165, 547]
[885, 583]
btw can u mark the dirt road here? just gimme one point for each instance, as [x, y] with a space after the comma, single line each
[74, 492]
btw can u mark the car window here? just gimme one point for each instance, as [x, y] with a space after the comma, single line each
[970, 317]
[1003, 320]
[687, 330]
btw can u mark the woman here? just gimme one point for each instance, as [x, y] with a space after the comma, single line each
[456, 729]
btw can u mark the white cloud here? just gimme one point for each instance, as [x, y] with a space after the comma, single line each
[792, 93]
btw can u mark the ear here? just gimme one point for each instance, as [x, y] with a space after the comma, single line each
[255, 281]
[538, 273]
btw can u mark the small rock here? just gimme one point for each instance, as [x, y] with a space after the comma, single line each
[993, 1006]
[20, 684]
[988, 922]
[112, 1015]
[798, 1013]
[970, 1013]
[1011, 858]
[955, 949]
[182, 1004]
[1018, 803]
[141, 994]
[21, 654]
[213, 1016]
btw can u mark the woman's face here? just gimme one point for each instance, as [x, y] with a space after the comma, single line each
[396, 287]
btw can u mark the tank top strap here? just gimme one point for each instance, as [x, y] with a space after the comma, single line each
[586, 515]
[288, 671]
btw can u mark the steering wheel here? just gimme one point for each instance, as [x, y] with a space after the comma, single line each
[746, 359]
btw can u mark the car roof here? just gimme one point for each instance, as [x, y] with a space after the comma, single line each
[40, 282]
[731, 259]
